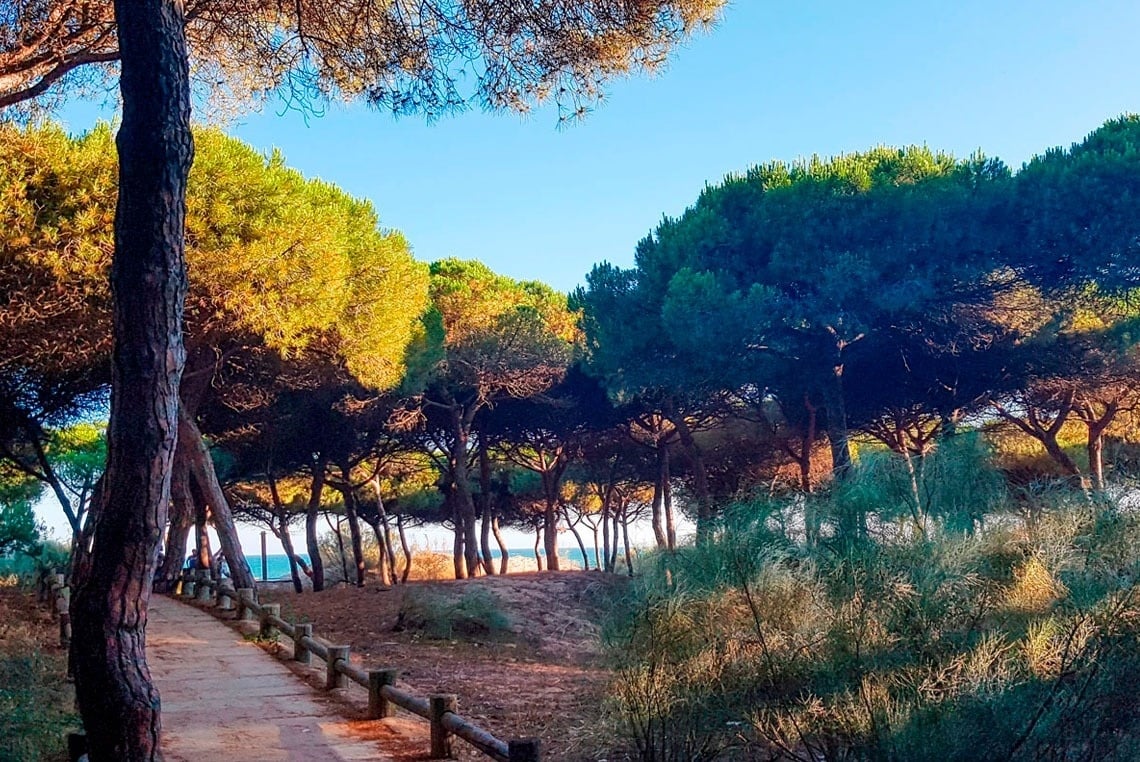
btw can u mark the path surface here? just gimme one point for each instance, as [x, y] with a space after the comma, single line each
[226, 700]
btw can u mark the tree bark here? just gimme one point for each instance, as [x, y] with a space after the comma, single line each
[206, 479]
[117, 699]
[700, 478]
[465, 503]
[282, 532]
[658, 506]
[485, 507]
[353, 525]
[550, 521]
[312, 514]
[181, 520]
[406, 547]
[504, 554]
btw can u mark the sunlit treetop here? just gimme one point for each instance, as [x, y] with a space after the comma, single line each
[431, 56]
[273, 258]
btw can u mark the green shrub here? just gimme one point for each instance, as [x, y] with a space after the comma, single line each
[980, 638]
[474, 614]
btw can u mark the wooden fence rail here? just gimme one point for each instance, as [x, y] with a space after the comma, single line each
[440, 710]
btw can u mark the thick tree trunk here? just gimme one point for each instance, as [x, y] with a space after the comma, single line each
[550, 521]
[1095, 449]
[465, 502]
[312, 514]
[667, 503]
[119, 703]
[836, 410]
[206, 479]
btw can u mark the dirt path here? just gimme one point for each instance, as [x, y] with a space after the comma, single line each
[225, 699]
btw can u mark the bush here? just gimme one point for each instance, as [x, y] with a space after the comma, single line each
[1018, 642]
[438, 615]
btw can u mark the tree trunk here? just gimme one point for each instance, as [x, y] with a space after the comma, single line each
[667, 503]
[465, 502]
[312, 514]
[353, 525]
[625, 537]
[206, 479]
[336, 530]
[606, 532]
[118, 702]
[282, 531]
[836, 410]
[658, 508]
[537, 541]
[504, 554]
[405, 547]
[485, 507]
[577, 538]
[387, 551]
[287, 545]
[1095, 450]
[181, 520]
[700, 478]
[550, 521]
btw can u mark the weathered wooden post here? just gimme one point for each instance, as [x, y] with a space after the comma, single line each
[65, 628]
[203, 586]
[378, 705]
[439, 705]
[245, 597]
[189, 587]
[333, 678]
[267, 629]
[524, 750]
[301, 652]
[225, 596]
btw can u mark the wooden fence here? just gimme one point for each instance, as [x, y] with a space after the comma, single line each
[439, 710]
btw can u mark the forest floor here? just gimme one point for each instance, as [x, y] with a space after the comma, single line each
[36, 704]
[522, 652]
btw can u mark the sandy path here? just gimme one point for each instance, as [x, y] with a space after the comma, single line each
[225, 699]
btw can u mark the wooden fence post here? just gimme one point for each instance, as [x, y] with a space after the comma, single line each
[378, 705]
[440, 704]
[203, 588]
[334, 679]
[267, 629]
[225, 597]
[524, 750]
[65, 628]
[301, 652]
[245, 595]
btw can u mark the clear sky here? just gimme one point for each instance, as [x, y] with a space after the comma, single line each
[774, 80]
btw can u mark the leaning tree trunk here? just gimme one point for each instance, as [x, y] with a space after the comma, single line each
[353, 525]
[404, 546]
[504, 554]
[206, 479]
[119, 703]
[181, 520]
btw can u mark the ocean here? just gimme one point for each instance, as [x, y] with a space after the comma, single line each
[277, 565]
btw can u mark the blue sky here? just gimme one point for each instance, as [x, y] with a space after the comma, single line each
[774, 80]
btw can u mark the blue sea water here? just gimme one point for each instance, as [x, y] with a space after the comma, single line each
[277, 565]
